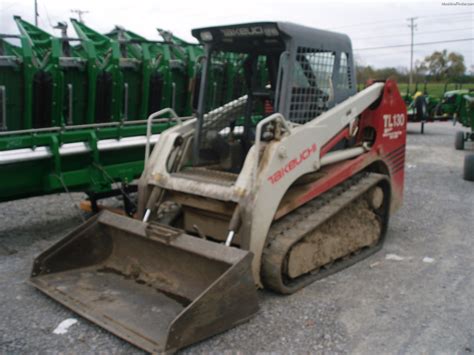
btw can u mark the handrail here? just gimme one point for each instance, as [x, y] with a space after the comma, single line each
[148, 126]
[85, 126]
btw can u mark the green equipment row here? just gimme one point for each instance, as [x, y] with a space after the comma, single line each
[56, 81]
[73, 109]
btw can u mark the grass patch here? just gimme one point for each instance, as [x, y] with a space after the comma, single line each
[434, 89]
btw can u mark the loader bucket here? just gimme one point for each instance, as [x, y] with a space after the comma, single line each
[150, 284]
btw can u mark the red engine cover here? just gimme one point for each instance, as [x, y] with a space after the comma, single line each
[389, 119]
[386, 120]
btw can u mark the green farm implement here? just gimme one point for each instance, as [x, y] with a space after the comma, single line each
[424, 107]
[453, 104]
[73, 110]
[462, 103]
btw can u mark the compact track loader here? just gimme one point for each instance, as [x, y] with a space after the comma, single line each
[278, 181]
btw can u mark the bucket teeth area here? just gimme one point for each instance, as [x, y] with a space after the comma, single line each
[152, 285]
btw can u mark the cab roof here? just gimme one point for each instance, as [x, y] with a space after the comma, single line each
[268, 35]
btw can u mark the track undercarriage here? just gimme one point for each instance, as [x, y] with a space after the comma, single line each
[329, 233]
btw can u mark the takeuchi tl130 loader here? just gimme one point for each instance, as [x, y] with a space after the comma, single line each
[290, 180]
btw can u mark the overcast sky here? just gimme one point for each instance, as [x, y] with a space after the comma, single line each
[369, 23]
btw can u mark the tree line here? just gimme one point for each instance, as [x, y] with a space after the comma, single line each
[440, 66]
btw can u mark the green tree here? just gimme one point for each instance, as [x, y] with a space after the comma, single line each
[443, 65]
[364, 73]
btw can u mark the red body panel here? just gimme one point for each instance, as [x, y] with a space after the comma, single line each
[387, 154]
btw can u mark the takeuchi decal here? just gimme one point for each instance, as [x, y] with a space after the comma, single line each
[292, 164]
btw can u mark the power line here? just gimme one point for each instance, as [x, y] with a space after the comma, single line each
[416, 44]
[418, 33]
[398, 53]
[447, 22]
[396, 30]
[402, 27]
[47, 15]
[404, 31]
[80, 13]
[364, 24]
[459, 14]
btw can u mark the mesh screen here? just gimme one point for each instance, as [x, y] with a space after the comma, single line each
[312, 87]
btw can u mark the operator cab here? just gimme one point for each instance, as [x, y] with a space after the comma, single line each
[253, 70]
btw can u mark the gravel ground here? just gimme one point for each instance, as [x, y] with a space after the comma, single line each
[377, 306]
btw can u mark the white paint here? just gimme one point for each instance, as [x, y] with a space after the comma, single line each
[393, 125]
[63, 327]
[394, 257]
[428, 260]
[411, 166]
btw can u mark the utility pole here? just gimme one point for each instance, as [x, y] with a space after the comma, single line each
[36, 13]
[79, 14]
[412, 27]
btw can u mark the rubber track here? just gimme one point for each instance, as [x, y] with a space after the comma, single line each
[287, 231]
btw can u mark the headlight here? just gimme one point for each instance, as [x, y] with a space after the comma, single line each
[206, 36]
